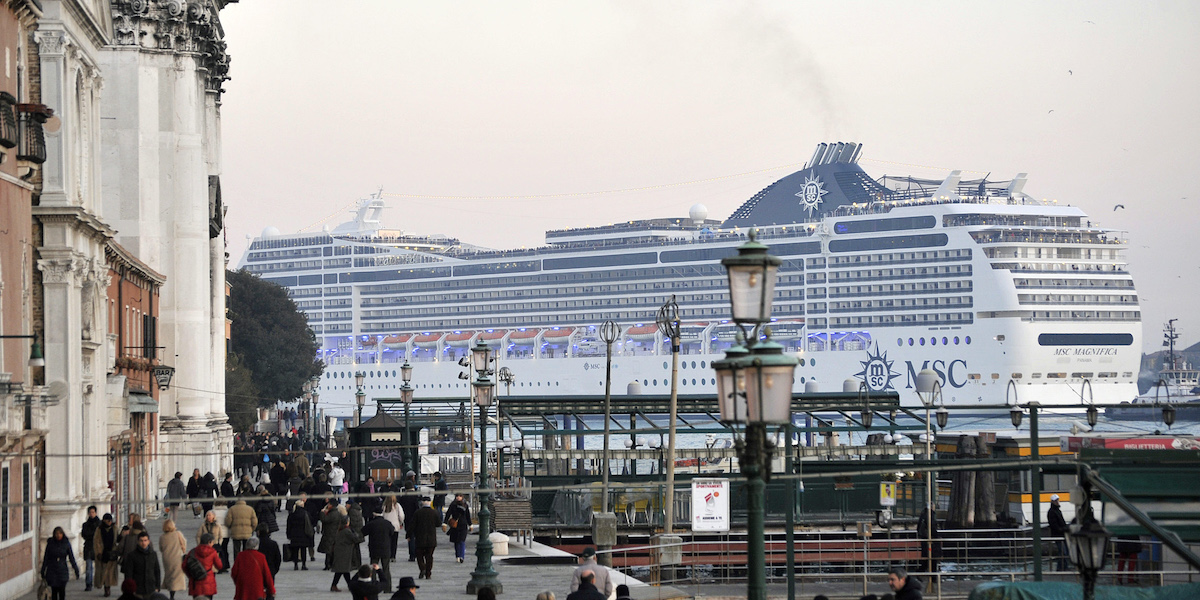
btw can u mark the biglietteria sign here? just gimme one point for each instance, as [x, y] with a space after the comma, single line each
[710, 505]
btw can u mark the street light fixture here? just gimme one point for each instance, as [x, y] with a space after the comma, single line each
[36, 357]
[668, 325]
[1087, 544]
[482, 393]
[754, 387]
[162, 376]
[360, 399]
[406, 396]
[929, 389]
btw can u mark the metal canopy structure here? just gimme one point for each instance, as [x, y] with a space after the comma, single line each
[646, 406]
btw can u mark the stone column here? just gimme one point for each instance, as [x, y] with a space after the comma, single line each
[64, 476]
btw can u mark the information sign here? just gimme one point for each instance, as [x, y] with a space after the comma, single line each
[710, 505]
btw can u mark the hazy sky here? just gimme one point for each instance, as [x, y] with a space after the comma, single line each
[1098, 101]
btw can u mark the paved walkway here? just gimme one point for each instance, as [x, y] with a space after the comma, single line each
[520, 581]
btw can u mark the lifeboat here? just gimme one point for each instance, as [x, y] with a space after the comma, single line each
[559, 335]
[396, 342]
[524, 337]
[493, 335]
[369, 341]
[427, 340]
[642, 332]
[460, 338]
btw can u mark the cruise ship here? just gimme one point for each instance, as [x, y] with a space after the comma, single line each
[1006, 297]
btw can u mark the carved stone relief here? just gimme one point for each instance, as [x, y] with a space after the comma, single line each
[181, 26]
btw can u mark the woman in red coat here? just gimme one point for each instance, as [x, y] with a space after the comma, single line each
[207, 555]
[251, 575]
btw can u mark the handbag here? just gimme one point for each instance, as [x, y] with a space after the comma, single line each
[196, 508]
[288, 554]
[43, 592]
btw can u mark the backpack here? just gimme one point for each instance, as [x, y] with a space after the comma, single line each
[195, 569]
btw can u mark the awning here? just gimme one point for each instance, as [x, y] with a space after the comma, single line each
[142, 403]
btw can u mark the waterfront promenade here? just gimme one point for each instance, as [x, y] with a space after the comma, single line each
[520, 581]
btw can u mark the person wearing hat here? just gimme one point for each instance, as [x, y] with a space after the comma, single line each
[1058, 529]
[406, 589]
[425, 529]
[587, 587]
[587, 564]
[104, 542]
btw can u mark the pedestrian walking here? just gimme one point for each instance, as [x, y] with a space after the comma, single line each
[269, 548]
[458, 526]
[241, 521]
[192, 491]
[265, 509]
[208, 491]
[333, 517]
[252, 579]
[394, 515]
[410, 502]
[406, 589]
[347, 557]
[378, 532]
[354, 512]
[1058, 529]
[176, 493]
[212, 526]
[210, 561]
[905, 586]
[439, 499]
[141, 565]
[88, 533]
[54, 564]
[300, 535]
[173, 547]
[367, 583]
[586, 590]
[227, 489]
[129, 538]
[425, 529]
[107, 554]
[587, 563]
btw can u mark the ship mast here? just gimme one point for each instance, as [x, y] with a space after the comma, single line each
[1170, 334]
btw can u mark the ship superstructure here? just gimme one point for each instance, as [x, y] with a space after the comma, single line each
[1006, 297]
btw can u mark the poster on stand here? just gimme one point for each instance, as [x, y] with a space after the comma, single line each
[710, 505]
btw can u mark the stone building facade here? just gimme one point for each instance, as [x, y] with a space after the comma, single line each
[164, 200]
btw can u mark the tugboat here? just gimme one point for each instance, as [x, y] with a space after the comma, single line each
[1175, 396]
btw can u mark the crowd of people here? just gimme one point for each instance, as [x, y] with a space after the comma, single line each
[321, 514]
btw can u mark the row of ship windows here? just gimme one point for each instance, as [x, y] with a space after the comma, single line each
[1009, 220]
[1086, 315]
[906, 273]
[552, 292]
[649, 305]
[897, 289]
[1080, 283]
[960, 318]
[1054, 253]
[1075, 299]
[780, 312]
[682, 271]
[1043, 237]
[933, 341]
[1056, 267]
[895, 257]
[901, 303]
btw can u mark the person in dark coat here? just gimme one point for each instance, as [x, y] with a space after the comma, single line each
[367, 583]
[931, 547]
[906, 587]
[269, 548]
[88, 533]
[587, 588]
[354, 512]
[54, 564]
[177, 492]
[439, 499]
[406, 589]
[279, 480]
[332, 519]
[379, 547]
[1058, 529]
[409, 503]
[208, 491]
[425, 529]
[460, 514]
[192, 489]
[347, 557]
[266, 510]
[300, 535]
[142, 566]
[107, 554]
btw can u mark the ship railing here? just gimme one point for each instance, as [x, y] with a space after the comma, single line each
[841, 560]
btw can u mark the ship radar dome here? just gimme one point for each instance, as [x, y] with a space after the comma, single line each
[698, 213]
[270, 232]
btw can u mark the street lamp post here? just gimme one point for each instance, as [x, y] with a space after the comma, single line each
[1087, 543]
[482, 392]
[604, 525]
[754, 387]
[1035, 472]
[929, 389]
[668, 325]
[406, 396]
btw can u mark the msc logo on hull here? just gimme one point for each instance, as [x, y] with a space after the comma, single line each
[877, 372]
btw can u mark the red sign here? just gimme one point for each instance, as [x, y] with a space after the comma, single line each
[1074, 444]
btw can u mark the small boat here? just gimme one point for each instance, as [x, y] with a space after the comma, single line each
[396, 342]
[492, 335]
[642, 332]
[427, 340]
[460, 338]
[558, 335]
[524, 337]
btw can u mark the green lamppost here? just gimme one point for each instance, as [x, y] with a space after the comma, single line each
[482, 392]
[754, 388]
[406, 396]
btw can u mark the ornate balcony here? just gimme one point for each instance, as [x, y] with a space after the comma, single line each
[33, 138]
[8, 120]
